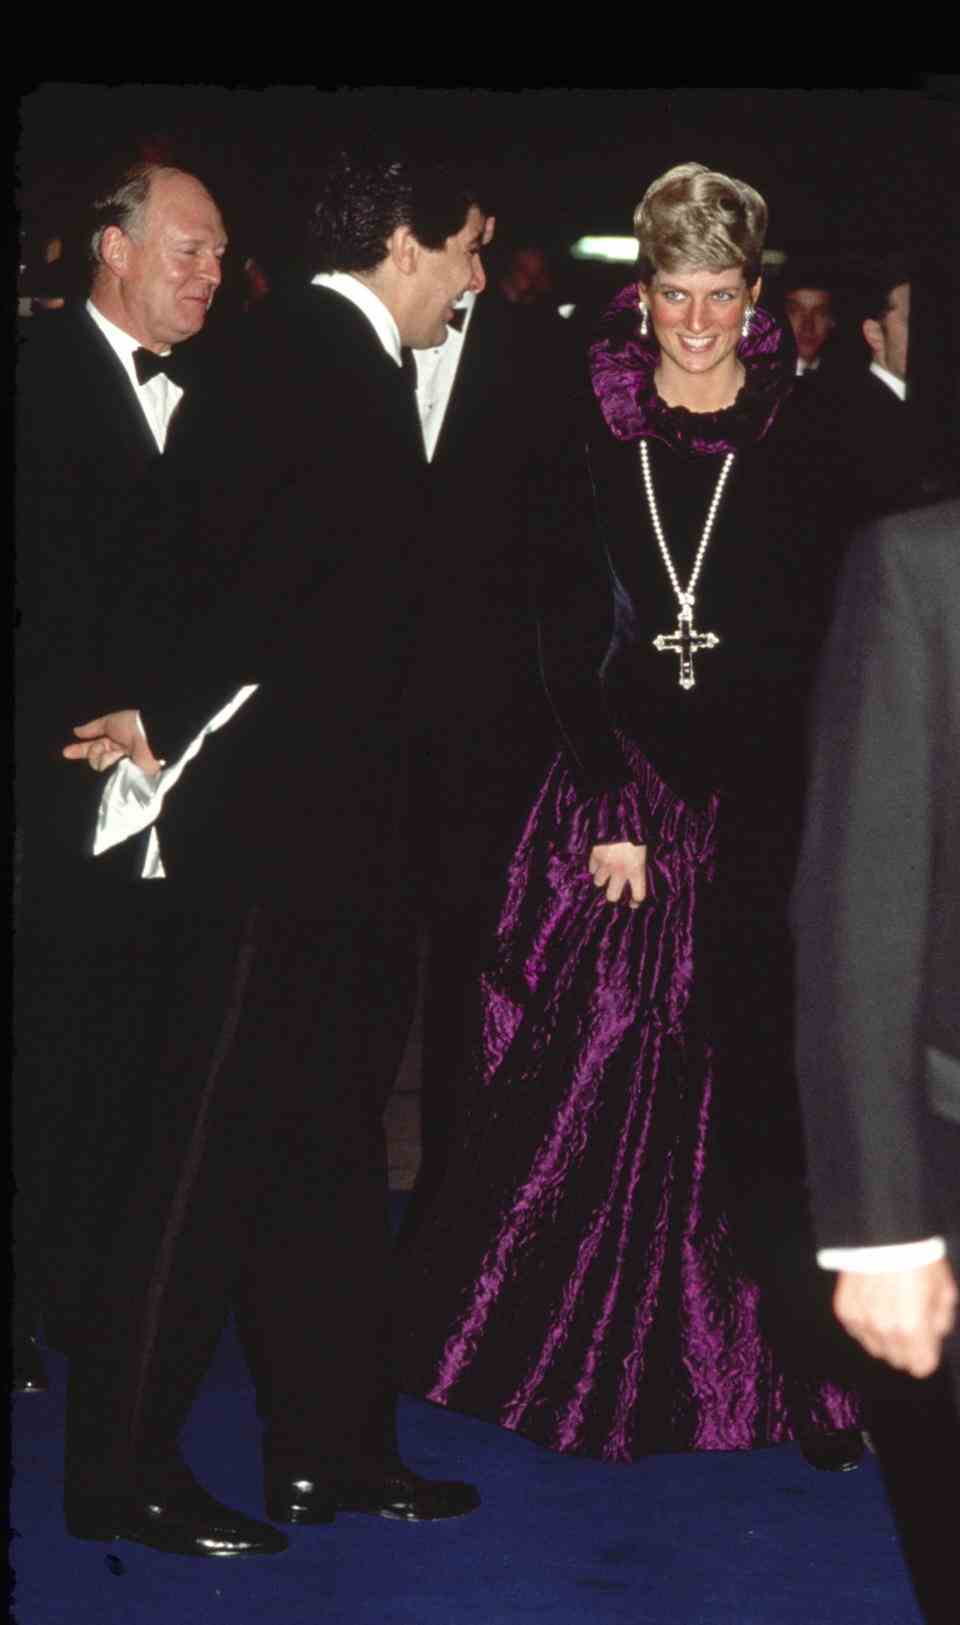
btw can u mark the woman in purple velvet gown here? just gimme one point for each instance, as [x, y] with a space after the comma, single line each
[617, 1262]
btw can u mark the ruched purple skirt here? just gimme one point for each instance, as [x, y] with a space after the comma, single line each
[578, 1279]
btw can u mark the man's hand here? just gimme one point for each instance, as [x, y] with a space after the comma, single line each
[107, 739]
[619, 866]
[901, 1316]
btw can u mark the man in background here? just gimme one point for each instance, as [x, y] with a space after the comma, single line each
[886, 455]
[808, 307]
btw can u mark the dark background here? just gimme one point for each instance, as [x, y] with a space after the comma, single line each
[852, 171]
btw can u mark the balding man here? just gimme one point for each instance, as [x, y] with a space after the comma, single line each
[95, 405]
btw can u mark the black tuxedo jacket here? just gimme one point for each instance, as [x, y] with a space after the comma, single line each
[490, 733]
[87, 467]
[876, 903]
[303, 571]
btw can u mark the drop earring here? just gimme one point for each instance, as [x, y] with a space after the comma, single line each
[747, 319]
[645, 321]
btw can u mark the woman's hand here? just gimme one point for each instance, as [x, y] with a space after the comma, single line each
[618, 867]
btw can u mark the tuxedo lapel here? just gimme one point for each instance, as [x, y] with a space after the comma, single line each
[473, 398]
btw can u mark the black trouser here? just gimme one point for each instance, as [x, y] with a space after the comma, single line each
[81, 1021]
[458, 945]
[468, 847]
[915, 1426]
[263, 1187]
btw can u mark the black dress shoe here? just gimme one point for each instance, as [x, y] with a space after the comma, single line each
[300, 1500]
[402, 1494]
[837, 1452]
[188, 1522]
[29, 1371]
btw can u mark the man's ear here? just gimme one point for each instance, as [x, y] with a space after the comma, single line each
[403, 250]
[873, 333]
[115, 250]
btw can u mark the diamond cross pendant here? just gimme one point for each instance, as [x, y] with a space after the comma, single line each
[686, 641]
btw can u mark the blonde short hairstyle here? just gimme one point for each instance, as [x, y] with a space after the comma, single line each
[695, 218]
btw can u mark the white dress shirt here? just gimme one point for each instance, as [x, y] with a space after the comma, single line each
[160, 396]
[898, 385]
[436, 373]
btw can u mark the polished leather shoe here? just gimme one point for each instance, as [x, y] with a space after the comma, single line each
[402, 1494]
[837, 1452]
[187, 1522]
[29, 1371]
[300, 1500]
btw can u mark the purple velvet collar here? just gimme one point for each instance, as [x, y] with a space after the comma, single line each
[622, 365]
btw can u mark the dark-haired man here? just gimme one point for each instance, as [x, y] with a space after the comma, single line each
[92, 444]
[286, 847]
[809, 312]
[883, 445]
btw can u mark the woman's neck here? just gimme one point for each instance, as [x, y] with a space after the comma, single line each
[704, 392]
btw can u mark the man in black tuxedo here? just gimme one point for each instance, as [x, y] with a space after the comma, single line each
[878, 926]
[883, 436]
[488, 402]
[287, 851]
[875, 446]
[96, 440]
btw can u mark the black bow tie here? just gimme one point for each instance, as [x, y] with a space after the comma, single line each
[458, 317]
[147, 365]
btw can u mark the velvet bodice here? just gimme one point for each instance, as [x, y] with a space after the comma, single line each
[764, 588]
[760, 591]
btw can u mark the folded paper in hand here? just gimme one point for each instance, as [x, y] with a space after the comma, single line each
[133, 800]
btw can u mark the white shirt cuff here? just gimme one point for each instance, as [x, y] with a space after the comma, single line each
[901, 1255]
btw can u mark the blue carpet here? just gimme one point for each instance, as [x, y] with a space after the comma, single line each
[732, 1539]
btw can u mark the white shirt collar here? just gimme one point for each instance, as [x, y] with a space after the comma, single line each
[898, 385]
[369, 302]
[436, 373]
[118, 338]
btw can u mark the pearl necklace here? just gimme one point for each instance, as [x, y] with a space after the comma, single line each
[686, 641]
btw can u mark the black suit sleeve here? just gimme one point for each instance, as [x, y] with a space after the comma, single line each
[573, 598]
[861, 906]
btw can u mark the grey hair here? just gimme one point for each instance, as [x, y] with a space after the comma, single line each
[695, 217]
[125, 205]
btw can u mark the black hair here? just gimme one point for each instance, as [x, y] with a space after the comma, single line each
[876, 292]
[364, 195]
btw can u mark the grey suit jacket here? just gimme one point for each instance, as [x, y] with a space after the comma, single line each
[877, 901]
